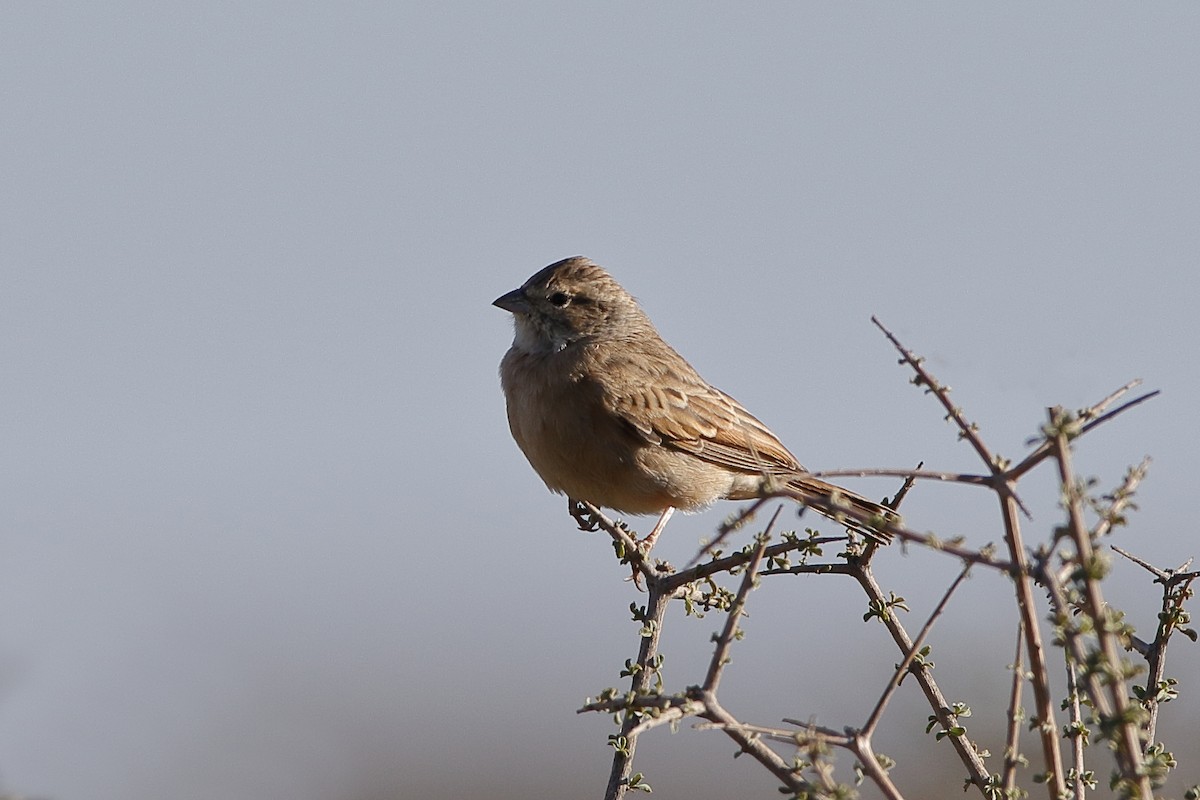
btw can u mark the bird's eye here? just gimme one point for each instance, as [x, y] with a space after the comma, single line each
[560, 299]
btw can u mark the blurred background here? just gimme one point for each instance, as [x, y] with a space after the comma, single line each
[263, 531]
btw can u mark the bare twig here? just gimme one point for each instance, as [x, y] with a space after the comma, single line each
[963, 746]
[1129, 749]
[1039, 671]
[720, 655]
[873, 769]
[1094, 411]
[640, 685]
[1012, 742]
[1077, 732]
[801, 737]
[735, 560]
[681, 710]
[860, 570]
[1072, 636]
[1120, 500]
[905, 488]
[967, 430]
[1160, 575]
[1175, 592]
[916, 474]
[734, 523]
[1121, 409]
[747, 739]
[892, 527]
[984, 555]
[868, 730]
[1095, 418]
[1176, 585]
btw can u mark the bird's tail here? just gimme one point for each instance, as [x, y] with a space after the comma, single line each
[843, 507]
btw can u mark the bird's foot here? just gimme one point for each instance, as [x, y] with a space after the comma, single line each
[584, 518]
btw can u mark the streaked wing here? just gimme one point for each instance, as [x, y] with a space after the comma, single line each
[671, 405]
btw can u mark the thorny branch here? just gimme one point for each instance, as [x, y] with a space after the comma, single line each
[1071, 590]
[1076, 730]
[1129, 749]
[1012, 750]
[1047, 726]
[877, 714]
[1177, 588]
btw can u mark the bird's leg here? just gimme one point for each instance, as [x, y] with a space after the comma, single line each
[649, 541]
[645, 545]
[583, 517]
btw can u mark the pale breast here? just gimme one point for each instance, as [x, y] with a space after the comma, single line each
[558, 418]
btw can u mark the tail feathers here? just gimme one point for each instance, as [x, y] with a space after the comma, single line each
[843, 507]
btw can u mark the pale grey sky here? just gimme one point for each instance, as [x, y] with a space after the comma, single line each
[264, 531]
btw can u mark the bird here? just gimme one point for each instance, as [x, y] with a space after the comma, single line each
[607, 412]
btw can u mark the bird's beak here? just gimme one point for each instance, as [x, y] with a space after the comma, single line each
[515, 301]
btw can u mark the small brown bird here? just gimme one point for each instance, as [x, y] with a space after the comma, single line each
[608, 412]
